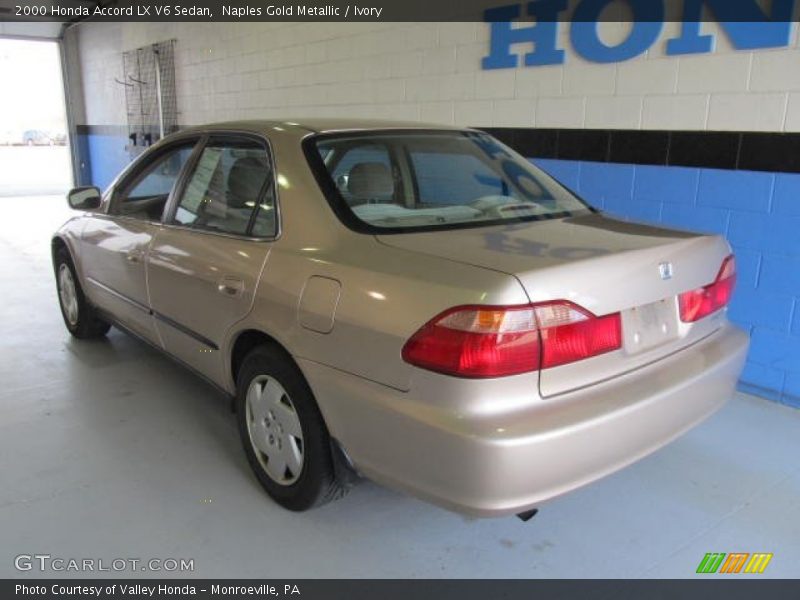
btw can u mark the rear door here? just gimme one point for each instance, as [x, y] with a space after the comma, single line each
[204, 264]
[115, 244]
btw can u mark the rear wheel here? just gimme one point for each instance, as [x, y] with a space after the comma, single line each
[283, 433]
[79, 316]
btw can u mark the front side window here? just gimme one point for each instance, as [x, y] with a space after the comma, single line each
[145, 196]
[386, 181]
[230, 190]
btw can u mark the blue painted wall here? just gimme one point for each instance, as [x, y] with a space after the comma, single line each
[758, 212]
[103, 157]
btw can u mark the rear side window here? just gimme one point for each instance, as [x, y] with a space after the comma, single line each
[230, 190]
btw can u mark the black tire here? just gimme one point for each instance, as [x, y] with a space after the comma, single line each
[88, 324]
[317, 483]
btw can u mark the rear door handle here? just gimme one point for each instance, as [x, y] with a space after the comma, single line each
[230, 286]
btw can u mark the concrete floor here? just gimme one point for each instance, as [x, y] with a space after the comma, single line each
[109, 450]
[23, 174]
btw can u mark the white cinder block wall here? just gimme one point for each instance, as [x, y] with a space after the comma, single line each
[432, 72]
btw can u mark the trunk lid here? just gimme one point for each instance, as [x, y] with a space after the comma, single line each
[602, 264]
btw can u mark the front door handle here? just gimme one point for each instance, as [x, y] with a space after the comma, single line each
[230, 286]
[134, 256]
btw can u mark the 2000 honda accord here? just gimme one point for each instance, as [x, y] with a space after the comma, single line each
[419, 305]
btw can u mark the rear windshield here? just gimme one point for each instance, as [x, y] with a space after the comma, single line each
[397, 181]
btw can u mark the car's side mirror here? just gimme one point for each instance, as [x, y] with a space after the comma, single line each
[84, 198]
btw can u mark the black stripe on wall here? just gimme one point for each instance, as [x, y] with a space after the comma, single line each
[747, 151]
[118, 130]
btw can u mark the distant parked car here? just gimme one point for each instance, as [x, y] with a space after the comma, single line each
[59, 138]
[37, 137]
[417, 303]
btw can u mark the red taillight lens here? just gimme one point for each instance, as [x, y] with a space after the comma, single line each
[569, 333]
[487, 341]
[699, 303]
[477, 342]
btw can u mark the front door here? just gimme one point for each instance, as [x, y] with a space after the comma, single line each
[115, 244]
[204, 264]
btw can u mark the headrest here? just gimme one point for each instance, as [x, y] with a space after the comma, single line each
[245, 180]
[370, 181]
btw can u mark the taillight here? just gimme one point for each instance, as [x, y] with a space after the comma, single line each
[570, 333]
[495, 341]
[477, 341]
[699, 303]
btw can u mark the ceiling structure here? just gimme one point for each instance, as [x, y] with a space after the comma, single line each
[45, 27]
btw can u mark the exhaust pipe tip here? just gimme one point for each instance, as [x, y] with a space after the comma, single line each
[527, 515]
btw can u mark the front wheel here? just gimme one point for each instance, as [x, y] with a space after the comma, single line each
[79, 315]
[283, 433]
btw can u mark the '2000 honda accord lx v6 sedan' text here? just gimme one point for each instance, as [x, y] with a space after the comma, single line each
[416, 304]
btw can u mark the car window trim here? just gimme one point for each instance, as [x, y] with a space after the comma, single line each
[168, 220]
[409, 172]
[181, 182]
[346, 216]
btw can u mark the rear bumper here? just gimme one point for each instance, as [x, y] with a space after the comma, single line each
[489, 463]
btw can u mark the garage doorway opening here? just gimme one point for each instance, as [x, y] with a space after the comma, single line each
[34, 151]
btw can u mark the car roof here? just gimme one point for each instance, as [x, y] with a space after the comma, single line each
[319, 125]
